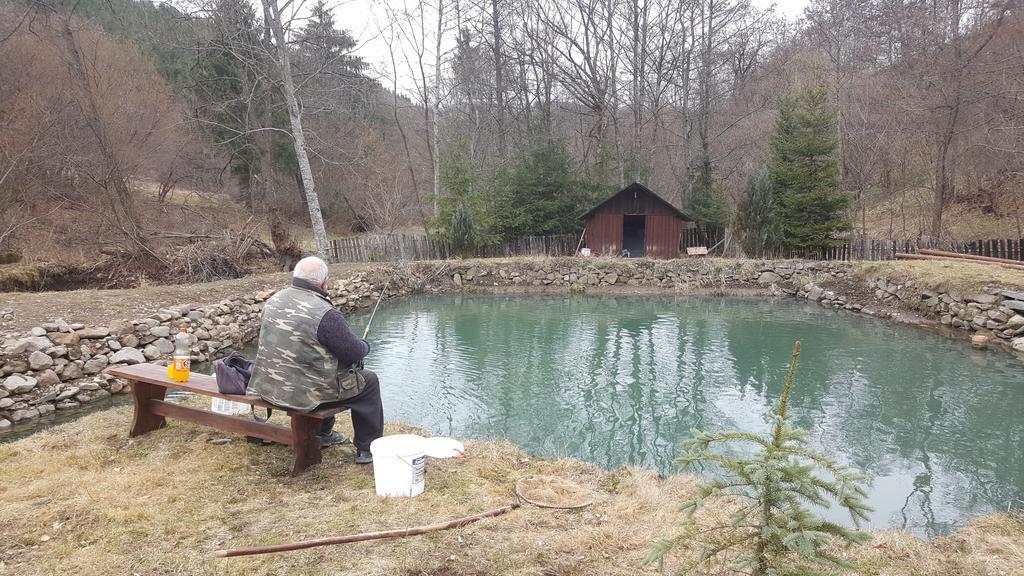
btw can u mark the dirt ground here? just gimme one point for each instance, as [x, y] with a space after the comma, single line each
[83, 498]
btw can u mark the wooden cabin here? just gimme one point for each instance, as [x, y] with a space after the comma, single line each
[635, 222]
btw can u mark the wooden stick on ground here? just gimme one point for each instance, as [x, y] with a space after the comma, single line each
[365, 535]
[958, 255]
[903, 256]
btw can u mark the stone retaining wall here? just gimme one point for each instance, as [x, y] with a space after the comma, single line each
[60, 366]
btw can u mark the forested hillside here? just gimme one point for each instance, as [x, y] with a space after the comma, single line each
[142, 130]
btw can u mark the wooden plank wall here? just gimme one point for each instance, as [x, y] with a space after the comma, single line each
[604, 234]
[662, 234]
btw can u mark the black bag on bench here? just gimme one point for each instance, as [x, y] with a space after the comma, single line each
[233, 373]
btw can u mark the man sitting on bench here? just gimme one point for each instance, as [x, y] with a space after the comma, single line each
[308, 356]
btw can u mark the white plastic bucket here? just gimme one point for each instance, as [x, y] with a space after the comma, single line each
[399, 465]
[400, 461]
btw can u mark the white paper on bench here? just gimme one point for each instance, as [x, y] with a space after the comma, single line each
[222, 406]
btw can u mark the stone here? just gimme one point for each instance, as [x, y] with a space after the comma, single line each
[1017, 344]
[46, 409]
[121, 328]
[129, 341]
[768, 278]
[114, 345]
[25, 415]
[946, 319]
[15, 367]
[6, 403]
[71, 371]
[29, 345]
[38, 331]
[150, 352]
[998, 316]
[95, 365]
[1013, 295]
[39, 360]
[48, 378]
[196, 315]
[65, 338]
[67, 393]
[1015, 305]
[160, 331]
[67, 405]
[128, 356]
[93, 333]
[815, 294]
[982, 298]
[18, 384]
[57, 351]
[457, 279]
[611, 278]
[164, 346]
[5, 424]
[1015, 321]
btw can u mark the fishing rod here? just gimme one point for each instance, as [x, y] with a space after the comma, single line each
[377, 305]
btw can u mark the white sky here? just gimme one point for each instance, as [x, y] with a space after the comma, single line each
[364, 18]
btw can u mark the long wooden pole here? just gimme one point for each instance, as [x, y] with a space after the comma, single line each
[366, 535]
[580, 244]
[945, 254]
[903, 256]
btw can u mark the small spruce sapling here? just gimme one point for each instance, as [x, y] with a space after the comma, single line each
[773, 531]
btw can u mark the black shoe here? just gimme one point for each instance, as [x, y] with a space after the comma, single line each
[364, 457]
[332, 438]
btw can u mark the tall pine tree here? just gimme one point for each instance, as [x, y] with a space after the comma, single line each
[804, 172]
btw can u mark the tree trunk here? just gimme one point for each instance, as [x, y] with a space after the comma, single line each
[499, 77]
[298, 136]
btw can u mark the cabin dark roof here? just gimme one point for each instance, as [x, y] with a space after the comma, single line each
[640, 188]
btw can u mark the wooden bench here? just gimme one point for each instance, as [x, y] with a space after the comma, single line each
[149, 383]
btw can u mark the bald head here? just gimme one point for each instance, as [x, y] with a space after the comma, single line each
[311, 269]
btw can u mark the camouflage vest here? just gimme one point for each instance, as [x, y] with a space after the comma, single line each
[292, 368]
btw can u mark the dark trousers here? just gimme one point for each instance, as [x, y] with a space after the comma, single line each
[367, 413]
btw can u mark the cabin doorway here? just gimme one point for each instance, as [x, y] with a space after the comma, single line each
[634, 235]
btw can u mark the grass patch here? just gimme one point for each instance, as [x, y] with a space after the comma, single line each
[962, 277]
[85, 498]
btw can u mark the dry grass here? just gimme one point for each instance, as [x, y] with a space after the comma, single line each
[83, 498]
[963, 277]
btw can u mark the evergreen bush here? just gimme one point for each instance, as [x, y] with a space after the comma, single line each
[772, 530]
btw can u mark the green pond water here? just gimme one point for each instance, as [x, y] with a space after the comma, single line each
[937, 425]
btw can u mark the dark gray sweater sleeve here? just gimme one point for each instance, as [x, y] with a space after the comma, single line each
[334, 333]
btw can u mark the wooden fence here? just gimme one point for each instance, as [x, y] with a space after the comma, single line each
[398, 247]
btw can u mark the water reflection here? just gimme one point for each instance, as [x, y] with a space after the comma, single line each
[621, 380]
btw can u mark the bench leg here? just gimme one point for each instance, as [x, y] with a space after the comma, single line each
[306, 434]
[145, 420]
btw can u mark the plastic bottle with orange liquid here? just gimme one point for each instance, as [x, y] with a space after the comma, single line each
[179, 367]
